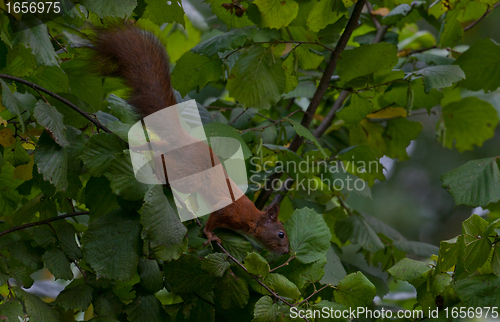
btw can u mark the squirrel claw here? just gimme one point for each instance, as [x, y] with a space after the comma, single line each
[210, 239]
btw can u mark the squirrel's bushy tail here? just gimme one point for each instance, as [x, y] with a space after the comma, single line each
[137, 57]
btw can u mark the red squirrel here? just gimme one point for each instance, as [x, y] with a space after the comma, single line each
[138, 57]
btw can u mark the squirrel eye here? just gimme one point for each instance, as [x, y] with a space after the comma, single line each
[281, 234]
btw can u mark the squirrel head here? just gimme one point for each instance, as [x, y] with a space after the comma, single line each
[270, 231]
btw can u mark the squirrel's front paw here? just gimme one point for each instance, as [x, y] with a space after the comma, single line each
[210, 239]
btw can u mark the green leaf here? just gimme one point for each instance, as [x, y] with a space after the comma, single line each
[216, 264]
[23, 276]
[398, 94]
[44, 236]
[185, 275]
[354, 65]
[301, 274]
[257, 265]
[52, 120]
[12, 103]
[116, 8]
[146, 308]
[478, 291]
[34, 34]
[474, 226]
[27, 211]
[37, 310]
[309, 235]
[99, 198]
[150, 274]
[304, 132]
[265, 310]
[57, 263]
[362, 162]
[99, 150]
[495, 261]
[228, 16]
[52, 161]
[448, 255]
[76, 297]
[439, 77]
[476, 183]
[107, 304]
[356, 111]
[235, 244]
[161, 12]
[324, 13]
[87, 87]
[281, 285]
[257, 79]
[440, 283]
[451, 31]
[111, 245]
[162, 229]
[122, 178]
[358, 231]
[11, 310]
[231, 292]
[54, 79]
[476, 254]
[277, 13]
[412, 271]
[416, 248]
[467, 122]
[334, 271]
[227, 41]
[481, 64]
[399, 134]
[193, 72]
[396, 14]
[66, 236]
[355, 290]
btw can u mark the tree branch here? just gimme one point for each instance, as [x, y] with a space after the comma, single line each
[273, 293]
[42, 222]
[325, 124]
[482, 17]
[54, 95]
[318, 94]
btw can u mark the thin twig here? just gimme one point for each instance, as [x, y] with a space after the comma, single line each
[54, 95]
[284, 264]
[42, 222]
[421, 50]
[267, 118]
[342, 203]
[294, 42]
[482, 17]
[252, 275]
[318, 94]
[237, 117]
[314, 293]
[62, 47]
[325, 124]
[269, 125]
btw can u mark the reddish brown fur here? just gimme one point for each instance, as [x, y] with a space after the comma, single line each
[140, 59]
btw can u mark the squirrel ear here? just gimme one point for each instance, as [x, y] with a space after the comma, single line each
[272, 212]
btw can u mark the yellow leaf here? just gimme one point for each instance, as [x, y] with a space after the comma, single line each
[30, 145]
[24, 172]
[381, 12]
[3, 122]
[7, 137]
[388, 113]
